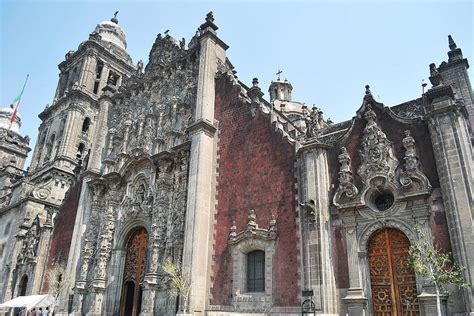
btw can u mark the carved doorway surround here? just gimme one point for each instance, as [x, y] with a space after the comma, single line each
[134, 272]
[393, 283]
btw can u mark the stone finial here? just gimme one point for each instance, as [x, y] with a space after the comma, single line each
[367, 90]
[435, 77]
[114, 19]
[346, 181]
[209, 24]
[255, 82]
[411, 157]
[251, 224]
[233, 230]
[452, 44]
[272, 224]
[210, 17]
[454, 52]
[368, 95]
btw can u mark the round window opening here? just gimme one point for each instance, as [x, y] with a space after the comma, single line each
[383, 201]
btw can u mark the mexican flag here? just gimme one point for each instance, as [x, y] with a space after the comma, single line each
[16, 102]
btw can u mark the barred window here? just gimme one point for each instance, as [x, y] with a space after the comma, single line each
[256, 271]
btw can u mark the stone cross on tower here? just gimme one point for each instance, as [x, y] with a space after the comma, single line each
[278, 74]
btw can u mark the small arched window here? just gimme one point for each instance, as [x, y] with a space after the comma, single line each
[80, 150]
[86, 125]
[256, 271]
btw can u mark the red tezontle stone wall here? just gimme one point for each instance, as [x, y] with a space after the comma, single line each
[256, 171]
[63, 229]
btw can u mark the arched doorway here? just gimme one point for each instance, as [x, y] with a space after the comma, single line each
[23, 285]
[393, 283]
[134, 271]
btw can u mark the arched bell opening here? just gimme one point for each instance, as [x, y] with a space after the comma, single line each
[134, 272]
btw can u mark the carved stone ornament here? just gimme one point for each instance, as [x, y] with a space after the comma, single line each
[412, 179]
[252, 230]
[29, 247]
[346, 190]
[377, 158]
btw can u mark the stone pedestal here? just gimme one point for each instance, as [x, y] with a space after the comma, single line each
[428, 304]
[356, 302]
[149, 294]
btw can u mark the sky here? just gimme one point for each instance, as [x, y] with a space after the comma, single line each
[328, 50]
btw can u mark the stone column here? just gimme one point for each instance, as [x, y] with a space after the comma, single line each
[89, 245]
[355, 298]
[104, 248]
[100, 130]
[447, 121]
[200, 200]
[88, 71]
[104, 77]
[71, 129]
[317, 244]
[42, 253]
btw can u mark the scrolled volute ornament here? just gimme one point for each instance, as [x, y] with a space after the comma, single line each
[346, 190]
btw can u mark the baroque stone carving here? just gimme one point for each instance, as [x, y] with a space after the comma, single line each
[376, 152]
[252, 230]
[30, 243]
[346, 190]
[412, 179]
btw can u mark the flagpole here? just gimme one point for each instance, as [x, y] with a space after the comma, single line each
[17, 105]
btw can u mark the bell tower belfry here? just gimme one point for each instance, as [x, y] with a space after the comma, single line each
[71, 128]
[68, 125]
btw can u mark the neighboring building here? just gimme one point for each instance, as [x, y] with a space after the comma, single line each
[256, 200]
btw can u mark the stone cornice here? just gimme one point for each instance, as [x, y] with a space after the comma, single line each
[214, 37]
[71, 94]
[31, 199]
[453, 63]
[202, 126]
[83, 50]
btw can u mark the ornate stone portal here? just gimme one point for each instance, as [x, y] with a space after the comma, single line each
[389, 197]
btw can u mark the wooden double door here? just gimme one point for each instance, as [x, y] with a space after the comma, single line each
[134, 272]
[393, 283]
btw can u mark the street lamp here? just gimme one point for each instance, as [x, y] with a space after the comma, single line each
[308, 308]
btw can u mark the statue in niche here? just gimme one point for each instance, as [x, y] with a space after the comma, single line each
[140, 194]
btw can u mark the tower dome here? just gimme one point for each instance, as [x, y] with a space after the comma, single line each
[111, 32]
[5, 115]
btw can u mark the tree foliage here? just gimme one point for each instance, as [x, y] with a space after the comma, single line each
[180, 285]
[433, 264]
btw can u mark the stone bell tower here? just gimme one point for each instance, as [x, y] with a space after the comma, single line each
[69, 125]
[71, 129]
[280, 90]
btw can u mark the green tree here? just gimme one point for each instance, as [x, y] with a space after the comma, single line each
[434, 265]
[57, 280]
[180, 285]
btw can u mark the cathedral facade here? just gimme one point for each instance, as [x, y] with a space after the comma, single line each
[260, 204]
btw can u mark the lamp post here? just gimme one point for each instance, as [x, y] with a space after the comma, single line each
[307, 307]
